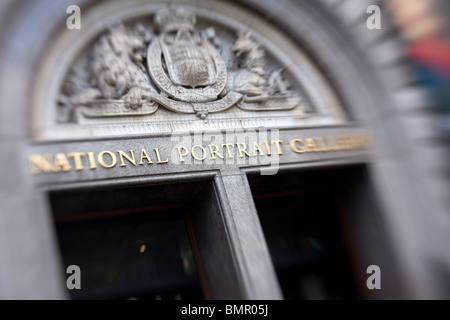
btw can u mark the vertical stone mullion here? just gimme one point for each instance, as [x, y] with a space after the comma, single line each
[252, 257]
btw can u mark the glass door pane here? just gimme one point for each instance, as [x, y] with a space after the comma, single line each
[302, 227]
[139, 253]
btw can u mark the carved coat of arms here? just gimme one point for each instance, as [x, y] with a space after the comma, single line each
[134, 72]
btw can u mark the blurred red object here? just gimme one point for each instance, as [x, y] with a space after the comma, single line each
[433, 52]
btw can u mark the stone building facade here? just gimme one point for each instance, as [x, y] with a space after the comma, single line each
[217, 150]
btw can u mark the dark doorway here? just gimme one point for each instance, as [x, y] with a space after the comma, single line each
[155, 241]
[302, 232]
[307, 231]
[134, 243]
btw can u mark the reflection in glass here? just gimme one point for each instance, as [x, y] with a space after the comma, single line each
[302, 233]
[138, 256]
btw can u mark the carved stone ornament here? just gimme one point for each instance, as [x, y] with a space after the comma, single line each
[135, 70]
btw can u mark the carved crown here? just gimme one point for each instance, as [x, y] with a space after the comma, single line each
[174, 18]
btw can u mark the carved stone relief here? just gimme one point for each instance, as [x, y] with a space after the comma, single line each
[134, 69]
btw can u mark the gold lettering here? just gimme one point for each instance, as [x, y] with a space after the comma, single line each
[144, 155]
[215, 151]
[269, 153]
[355, 141]
[40, 163]
[159, 157]
[310, 145]
[331, 143]
[278, 144]
[91, 158]
[257, 148]
[203, 152]
[352, 141]
[77, 159]
[360, 141]
[102, 162]
[299, 149]
[228, 149]
[343, 142]
[182, 155]
[124, 155]
[242, 148]
[61, 162]
[321, 145]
